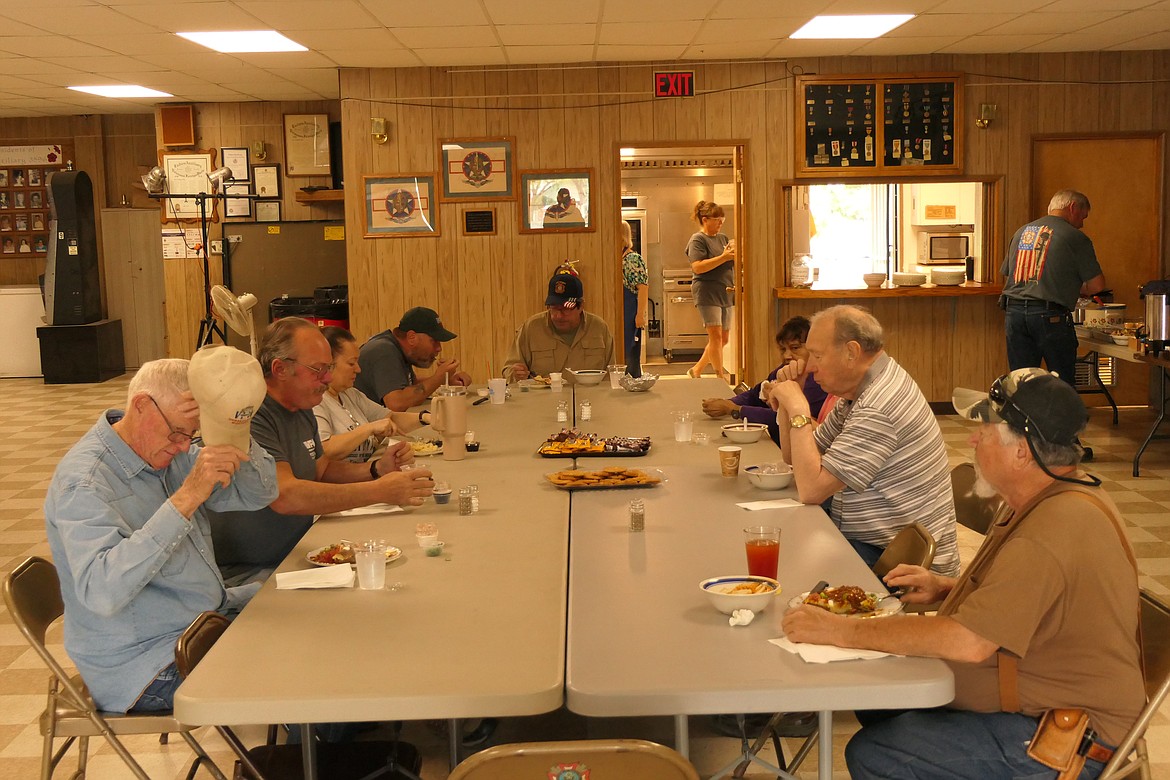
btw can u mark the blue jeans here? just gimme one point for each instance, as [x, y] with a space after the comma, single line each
[633, 334]
[951, 744]
[160, 694]
[1037, 334]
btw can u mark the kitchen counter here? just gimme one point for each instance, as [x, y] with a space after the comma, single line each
[888, 290]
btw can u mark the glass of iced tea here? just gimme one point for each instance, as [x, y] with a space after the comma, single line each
[762, 543]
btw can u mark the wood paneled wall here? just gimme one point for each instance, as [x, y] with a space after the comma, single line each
[578, 116]
[235, 124]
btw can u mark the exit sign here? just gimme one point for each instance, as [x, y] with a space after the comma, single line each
[674, 83]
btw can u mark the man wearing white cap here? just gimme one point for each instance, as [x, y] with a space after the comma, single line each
[127, 527]
[1045, 618]
[298, 364]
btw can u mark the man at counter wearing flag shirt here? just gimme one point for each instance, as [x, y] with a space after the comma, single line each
[1049, 264]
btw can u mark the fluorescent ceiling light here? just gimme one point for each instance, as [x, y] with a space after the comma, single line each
[122, 91]
[243, 41]
[868, 26]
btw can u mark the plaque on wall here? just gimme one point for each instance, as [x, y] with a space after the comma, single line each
[889, 125]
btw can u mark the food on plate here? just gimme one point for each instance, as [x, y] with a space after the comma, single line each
[844, 600]
[333, 554]
[539, 380]
[743, 588]
[571, 441]
[611, 476]
[423, 447]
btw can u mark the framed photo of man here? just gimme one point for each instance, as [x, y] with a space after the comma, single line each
[556, 201]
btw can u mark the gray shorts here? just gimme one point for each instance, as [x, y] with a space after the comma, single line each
[716, 315]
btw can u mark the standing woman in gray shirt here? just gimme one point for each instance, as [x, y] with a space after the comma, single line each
[712, 257]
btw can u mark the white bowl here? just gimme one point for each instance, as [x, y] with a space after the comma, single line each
[729, 602]
[909, 280]
[777, 481]
[589, 376]
[1120, 341]
[948, 278]
[873, 280]
[744, 435]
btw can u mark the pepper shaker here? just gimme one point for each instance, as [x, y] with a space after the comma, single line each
[586, 411]
[637, 515]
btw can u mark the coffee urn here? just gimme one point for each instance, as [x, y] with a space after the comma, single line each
[1157, 295]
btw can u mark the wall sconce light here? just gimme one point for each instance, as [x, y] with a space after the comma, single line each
[258, 150]
[986, 115]
[378, 129]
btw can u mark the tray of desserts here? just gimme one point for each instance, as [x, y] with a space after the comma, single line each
[573, 443]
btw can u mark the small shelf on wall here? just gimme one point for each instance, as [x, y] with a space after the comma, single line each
[321, 196]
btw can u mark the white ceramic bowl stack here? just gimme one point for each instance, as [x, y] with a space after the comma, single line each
[909, 279]
[873, 280]
[947, 278]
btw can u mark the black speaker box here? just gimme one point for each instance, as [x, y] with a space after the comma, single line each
[73, 294]
[335, 163]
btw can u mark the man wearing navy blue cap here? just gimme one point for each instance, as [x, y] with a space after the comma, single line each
[388, 361]
[564, 334]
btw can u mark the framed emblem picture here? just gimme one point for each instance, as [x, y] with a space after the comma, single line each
[401, 205]
[478, 169]
[556, 201]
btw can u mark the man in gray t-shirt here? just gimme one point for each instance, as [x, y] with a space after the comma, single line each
[1048, 265]
[298, 364]
[388, 361]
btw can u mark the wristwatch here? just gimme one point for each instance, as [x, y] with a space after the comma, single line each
[799, 421]
[736, 413]
[421, 421]
[374, 468]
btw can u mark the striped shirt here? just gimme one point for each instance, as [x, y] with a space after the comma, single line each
[887, 448]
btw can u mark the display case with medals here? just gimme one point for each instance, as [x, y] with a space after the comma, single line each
[867, 126]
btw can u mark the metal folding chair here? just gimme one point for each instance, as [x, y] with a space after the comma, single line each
[624, 758]
[32, 593]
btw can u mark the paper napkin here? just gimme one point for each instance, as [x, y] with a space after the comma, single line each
[776, 503]
[324, 577]
[741, 617]
[823, 654]
[372, 509]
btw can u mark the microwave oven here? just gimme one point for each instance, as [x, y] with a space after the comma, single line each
[943, 248]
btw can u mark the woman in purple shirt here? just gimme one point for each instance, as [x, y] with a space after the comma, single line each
[748, 406]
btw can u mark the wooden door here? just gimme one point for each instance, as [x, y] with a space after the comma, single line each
[1122, 177]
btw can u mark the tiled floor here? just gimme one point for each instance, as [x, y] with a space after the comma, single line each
[38, 423]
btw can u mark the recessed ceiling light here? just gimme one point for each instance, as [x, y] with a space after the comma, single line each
[122, 91]
[867, 26]
[243, 41]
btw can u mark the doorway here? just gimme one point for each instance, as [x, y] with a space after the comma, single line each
[1122, 177]
[659, 188]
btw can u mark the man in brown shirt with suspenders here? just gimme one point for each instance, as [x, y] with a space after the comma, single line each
[1045, 617]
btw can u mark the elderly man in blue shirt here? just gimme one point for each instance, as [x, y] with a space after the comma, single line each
[130, 540]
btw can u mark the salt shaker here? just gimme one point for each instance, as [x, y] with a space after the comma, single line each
[563, 412]
[465, 504]
[637, 515]
[586, 411]
[473, 491]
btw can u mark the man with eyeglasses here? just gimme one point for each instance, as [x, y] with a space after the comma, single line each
[297, 363]
[388, 361]
[1044, 618]
[563, 335]
[126, 521]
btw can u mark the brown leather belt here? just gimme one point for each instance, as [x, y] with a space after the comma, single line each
[1098, 752]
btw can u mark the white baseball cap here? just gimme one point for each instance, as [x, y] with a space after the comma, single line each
[229, 387]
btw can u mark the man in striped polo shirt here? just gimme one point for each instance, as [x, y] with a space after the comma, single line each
[879, 454]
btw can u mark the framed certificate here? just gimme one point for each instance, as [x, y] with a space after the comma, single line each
[187, 175]
[236, 158]
[266, 180]
[306, 145]
[236, 206]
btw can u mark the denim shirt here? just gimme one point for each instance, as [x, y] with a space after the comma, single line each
[134, 572]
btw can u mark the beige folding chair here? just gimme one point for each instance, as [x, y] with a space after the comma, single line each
[619, 759]
[1131, 754]
[913, 545]
[33, 595]
[972, 511]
